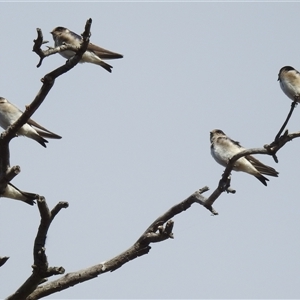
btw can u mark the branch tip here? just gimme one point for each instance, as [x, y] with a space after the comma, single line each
[230, 190]
[293, 105]
[203, 190]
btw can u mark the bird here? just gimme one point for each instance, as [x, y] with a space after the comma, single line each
[9, 114]
[13, 192]
[223, 149]
[94, 53]
[289, 80]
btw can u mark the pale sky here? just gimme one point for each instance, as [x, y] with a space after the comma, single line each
[136, 142]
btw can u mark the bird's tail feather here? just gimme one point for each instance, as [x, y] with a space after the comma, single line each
[103, 53]
[40, 140]
[43, 131]
[104, 65]
[25, 196]
[49, 135]
[262, 179]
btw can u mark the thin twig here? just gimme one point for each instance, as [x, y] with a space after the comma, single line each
[293, 105]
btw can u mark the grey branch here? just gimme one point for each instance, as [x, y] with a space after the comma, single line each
[293, 105]
[40, 271]
[159, 230]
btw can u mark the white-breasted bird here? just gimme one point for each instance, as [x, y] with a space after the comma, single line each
[13, 192]
[289, 79]
[9, 114]
[223, 149]
[94, 54]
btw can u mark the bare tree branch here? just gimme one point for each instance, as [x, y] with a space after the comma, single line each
[293, 105]
[159, 230]
[41, 271]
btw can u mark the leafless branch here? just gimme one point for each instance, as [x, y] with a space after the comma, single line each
[159, 230]
[293, 105]
[40, 271]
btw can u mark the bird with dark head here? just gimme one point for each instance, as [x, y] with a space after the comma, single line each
[223, 149]
[289, 80]
[94, 54]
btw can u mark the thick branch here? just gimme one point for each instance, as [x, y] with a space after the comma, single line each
[159, 230]
[156, 232]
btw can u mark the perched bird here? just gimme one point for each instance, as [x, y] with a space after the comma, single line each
[289, 80]
[94, 54]
[223, 149]
[10, 114]
[13, 192]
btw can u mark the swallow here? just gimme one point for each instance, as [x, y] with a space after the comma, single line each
[289, 80]
[9, 114]
[94, 54]
[13, 192]
[223, 149]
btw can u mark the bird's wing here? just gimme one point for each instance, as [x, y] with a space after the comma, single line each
[75, 35]
[260, 167]
[235, 142]
[46, 133]
[103, 53]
